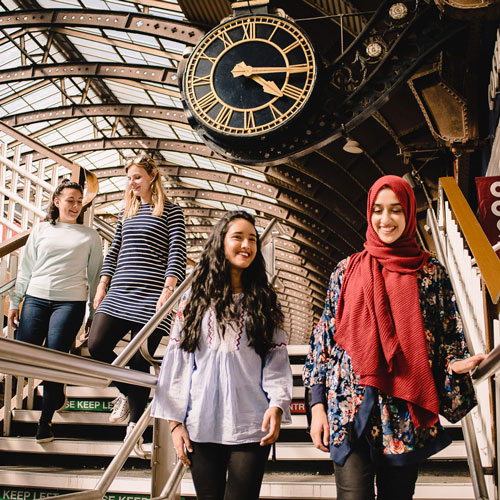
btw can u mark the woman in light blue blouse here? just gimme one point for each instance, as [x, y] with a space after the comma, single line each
[225, 383]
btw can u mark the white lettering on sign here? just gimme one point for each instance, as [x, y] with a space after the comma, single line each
[494, 73]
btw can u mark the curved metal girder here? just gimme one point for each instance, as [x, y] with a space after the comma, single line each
[324, 218]
[104, 19]
[356, 86]
[293, 227]
[143, 142]
[170, 114]
[140, 72]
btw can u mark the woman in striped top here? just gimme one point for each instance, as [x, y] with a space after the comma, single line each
[145, 262]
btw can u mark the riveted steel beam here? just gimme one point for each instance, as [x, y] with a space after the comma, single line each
[170, 114]
[104, 19]
[141, 72]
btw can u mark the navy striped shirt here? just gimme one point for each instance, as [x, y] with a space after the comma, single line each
[146, 250]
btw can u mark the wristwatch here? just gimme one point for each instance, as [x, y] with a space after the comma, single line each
[169, 287]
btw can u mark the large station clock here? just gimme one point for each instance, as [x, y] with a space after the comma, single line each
[249, 76]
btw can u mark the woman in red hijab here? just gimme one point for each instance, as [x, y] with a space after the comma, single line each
[387, 356]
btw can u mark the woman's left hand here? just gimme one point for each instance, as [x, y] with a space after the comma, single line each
[165, 295]
[271, 421]
[467, 364]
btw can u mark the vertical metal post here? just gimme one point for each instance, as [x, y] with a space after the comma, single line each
[164, 458]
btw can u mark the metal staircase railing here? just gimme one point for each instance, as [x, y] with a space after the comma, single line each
[474, 270]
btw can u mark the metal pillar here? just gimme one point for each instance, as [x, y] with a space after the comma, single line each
[164, 458]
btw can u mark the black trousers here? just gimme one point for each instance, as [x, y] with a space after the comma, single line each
[228, 472]
[105, 333]
[354, 479]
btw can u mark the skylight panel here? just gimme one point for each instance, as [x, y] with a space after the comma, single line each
[120, 6]
[209, 203]
[172, 46]
[177, 158]
[214, 165]
[58, 4]
[253, 174]
[10, 5]
[165, 100]
[178, 16]
[186, 134]
[199, 183]
[236, 190]
[264, 198]
[156, 128]
[95, 4]
[128, 94]
[11, 58]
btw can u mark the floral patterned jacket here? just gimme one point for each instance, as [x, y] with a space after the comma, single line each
[354, 410]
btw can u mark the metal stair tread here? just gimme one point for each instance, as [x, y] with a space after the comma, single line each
[101, 418]
[275, 485]
[284, 451]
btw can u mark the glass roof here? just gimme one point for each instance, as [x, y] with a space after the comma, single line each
[28, 45]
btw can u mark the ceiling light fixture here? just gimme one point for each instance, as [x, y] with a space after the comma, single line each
[352, 146]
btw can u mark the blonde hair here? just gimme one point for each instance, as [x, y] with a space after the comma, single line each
[158, 195]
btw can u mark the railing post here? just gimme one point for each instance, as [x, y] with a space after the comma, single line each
[164, 458]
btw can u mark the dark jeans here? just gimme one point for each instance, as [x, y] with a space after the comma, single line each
[243, 464]
[56, 323]
[354, 479]
[105, 333]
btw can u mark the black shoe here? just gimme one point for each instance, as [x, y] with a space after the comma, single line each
[44, 433]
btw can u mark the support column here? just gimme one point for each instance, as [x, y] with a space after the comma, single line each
[164, 458]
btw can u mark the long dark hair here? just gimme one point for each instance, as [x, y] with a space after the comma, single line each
[212, 288]
[53, 211]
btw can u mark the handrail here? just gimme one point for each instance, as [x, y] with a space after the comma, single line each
[173, 482]
[14, 243]
[488, 367]
[116, 464]
[35, 358]
[471, 444]
[487, 261]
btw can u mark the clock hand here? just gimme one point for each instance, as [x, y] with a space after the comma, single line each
[267, 86]
[242, 69]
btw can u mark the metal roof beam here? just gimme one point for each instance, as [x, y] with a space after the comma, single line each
[105, 19]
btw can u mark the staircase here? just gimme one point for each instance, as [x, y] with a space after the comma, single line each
[85, 443]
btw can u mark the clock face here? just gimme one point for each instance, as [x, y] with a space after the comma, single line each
[250, 75]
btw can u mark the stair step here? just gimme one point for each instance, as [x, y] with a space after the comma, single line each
[101, 418]
[284, 451]
[111, 392]
[285, 486]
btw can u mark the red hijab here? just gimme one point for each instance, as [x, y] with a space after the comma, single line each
[379, 320]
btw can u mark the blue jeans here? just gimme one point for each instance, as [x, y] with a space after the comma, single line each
[56, 323]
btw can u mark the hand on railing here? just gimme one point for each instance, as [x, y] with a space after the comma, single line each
[165, 295]
[466, 365]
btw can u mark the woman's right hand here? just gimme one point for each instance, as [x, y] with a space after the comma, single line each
[320, 430]
[99, 295]
[13, 318]
[180, 438]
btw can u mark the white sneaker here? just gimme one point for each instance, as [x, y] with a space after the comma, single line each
[130, 428]
[121, 409]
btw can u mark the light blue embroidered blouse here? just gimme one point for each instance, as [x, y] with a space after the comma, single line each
[222, 390]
